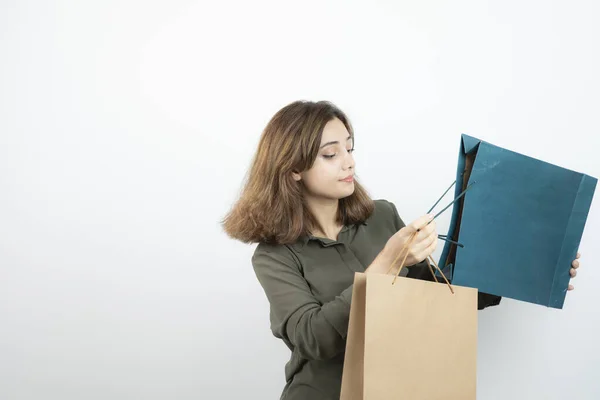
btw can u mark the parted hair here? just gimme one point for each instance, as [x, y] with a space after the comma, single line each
[271, 207]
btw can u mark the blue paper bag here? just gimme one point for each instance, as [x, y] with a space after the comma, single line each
[520, 222]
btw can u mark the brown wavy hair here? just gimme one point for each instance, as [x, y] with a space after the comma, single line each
[271, 207]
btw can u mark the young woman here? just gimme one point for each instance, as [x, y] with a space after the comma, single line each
[316, 226]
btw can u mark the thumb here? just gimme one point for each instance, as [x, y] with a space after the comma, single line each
[421, 222]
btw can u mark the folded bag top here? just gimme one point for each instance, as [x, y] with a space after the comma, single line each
[520, 224]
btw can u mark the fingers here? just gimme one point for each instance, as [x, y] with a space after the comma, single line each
[425, 240]
[431, 248]
[425, 231]
[575, 264]
[573, 272]
[427, 246]
[423, 236]
[421, 222]
[571, 287]
[428, 250]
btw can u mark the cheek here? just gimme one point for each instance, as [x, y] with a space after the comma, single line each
[322, 174]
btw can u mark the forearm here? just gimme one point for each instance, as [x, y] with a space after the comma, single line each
[320, 332]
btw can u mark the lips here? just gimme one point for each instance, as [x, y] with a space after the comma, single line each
[349, 178]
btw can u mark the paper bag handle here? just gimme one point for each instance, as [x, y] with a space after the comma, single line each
[414, 234]
[405, 250]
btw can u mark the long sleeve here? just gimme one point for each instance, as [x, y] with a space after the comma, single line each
[317, 331]
[421, 271]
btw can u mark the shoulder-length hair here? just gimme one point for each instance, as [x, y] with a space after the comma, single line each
[271, 207]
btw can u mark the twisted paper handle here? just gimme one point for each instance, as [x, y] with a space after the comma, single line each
[405, 250]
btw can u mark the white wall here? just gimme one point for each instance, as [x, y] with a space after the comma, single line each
[126, 128]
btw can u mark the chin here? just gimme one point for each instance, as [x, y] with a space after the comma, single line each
[346, 193]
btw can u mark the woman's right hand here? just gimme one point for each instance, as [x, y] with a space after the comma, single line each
[422, 246]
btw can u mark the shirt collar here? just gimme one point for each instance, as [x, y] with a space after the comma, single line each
[304, 239]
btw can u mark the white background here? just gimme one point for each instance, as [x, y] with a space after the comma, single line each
[126, 129]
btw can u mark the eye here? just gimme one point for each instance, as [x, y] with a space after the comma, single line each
[333, 155]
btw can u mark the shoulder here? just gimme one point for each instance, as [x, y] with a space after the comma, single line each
[383, 209]
[385, 213]
[268, 255]
[383, 206]
[270, 248]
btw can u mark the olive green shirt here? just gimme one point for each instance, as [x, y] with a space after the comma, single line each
[309, 288]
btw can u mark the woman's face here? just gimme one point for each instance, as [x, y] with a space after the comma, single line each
[334, 163]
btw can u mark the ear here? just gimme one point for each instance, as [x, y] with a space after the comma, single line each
[297, 177]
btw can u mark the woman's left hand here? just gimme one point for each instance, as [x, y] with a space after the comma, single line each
[575, 265]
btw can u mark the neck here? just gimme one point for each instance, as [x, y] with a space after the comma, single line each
[325, 212]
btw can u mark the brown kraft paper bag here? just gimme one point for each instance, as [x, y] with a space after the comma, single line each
[410, 339]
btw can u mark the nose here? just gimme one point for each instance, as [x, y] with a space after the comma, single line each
[348, 161]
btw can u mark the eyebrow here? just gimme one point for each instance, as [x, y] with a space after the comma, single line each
[334, 142]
